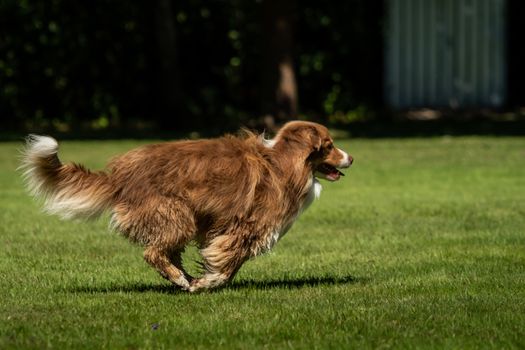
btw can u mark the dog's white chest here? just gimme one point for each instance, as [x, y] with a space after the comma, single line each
[313, 193]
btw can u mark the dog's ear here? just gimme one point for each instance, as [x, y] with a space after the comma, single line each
[315, 139]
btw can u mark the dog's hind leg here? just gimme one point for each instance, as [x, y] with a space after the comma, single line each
[175, 257]
[161, 260]
[223, 257]
[164, 227]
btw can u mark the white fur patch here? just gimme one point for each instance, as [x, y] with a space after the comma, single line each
[313, 193]
[37, 147]
[345, 163]
[272, 239]
[68, 207]
[269, 143]
[40, 146]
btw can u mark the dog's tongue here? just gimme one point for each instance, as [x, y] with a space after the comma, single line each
[334, 175]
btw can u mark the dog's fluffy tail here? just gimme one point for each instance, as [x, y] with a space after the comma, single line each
[68, 190]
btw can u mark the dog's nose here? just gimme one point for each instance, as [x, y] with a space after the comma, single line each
[346, 160]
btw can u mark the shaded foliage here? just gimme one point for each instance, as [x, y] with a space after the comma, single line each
[67, 65]
[340, 58]
[70, 62]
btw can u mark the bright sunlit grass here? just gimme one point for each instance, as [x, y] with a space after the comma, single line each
[421, 245]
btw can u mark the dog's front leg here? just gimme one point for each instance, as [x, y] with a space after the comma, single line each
[223, 257]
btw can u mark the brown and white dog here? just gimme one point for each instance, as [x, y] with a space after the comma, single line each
[234, 196]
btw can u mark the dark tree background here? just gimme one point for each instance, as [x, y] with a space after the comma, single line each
[194, 64]
[186, 65]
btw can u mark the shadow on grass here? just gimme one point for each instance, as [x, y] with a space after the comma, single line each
[235, 285]
[295, 283]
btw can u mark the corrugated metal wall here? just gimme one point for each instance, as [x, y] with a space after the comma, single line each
[445, 53]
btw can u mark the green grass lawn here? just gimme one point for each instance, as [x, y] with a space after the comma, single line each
[421, 245]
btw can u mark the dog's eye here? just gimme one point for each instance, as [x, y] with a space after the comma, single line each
[330, 146]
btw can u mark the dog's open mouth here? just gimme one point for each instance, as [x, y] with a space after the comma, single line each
[328, 172]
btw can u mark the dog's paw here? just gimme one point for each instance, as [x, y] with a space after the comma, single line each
[195, 285]
[182, 282]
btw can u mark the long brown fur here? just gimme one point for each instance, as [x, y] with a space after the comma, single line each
[234, 196]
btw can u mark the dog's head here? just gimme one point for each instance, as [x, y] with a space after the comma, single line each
[323, 157]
